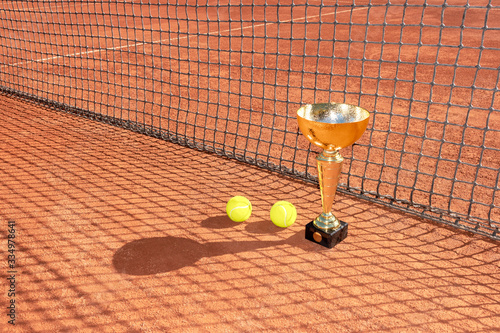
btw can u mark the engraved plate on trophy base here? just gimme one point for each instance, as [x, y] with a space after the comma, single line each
[326, 238]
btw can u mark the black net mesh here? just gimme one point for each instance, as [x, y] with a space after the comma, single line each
[227, 77]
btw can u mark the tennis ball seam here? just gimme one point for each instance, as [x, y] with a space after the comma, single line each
[284, 219]
[285, 216]
[238, 207]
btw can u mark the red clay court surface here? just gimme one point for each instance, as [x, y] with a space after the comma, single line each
[119, 232]
[217, 78]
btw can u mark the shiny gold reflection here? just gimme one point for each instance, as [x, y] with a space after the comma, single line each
[331, 126]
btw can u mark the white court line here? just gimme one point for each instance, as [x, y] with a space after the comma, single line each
[171, 39]
[37, 9]
[57, 6]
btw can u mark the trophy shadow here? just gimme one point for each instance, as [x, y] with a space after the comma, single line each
[155, 255]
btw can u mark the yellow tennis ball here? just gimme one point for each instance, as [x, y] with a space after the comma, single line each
[239, 208]
[283, 214]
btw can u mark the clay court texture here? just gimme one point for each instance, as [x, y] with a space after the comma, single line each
[118, 231]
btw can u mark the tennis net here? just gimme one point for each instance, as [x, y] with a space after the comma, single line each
[227, 78]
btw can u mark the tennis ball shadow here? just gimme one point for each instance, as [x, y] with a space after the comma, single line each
[255, 227]
[218, 222]
[156, 255]
[262, 227]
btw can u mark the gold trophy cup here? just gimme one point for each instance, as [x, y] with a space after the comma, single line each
[332, 127]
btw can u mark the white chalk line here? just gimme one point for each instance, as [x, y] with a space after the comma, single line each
[55, 6]
[172, 39]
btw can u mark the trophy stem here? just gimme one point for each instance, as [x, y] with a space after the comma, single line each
[329, 169]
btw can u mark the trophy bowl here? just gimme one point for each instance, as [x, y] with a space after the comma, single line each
[330, 126]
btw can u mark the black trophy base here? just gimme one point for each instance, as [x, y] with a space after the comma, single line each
[326, 238]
